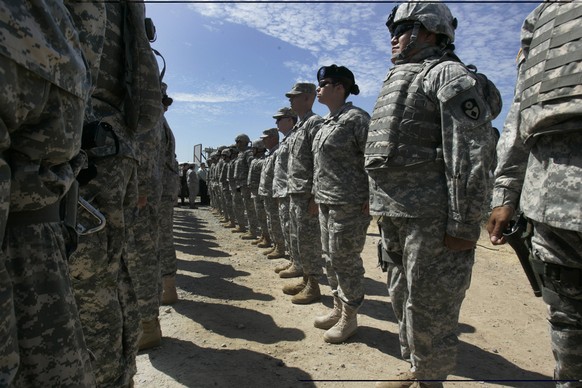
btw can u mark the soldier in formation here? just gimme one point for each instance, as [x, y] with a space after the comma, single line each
[539, 172]
[428, 164]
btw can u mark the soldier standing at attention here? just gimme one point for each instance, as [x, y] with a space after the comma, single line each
[285, 119]
[304, 234]
[340, 186]
[254, 179]
[45, 84]
[540, 171]
[429, 151]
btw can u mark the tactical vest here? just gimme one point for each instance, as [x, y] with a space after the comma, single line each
[552, 73]
[405, 129]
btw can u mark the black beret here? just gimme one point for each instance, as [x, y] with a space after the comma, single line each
[335, 71]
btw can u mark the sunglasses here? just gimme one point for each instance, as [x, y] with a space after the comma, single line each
[323, 84]
[401, 29]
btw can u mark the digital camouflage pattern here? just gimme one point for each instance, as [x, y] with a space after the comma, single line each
[42, 72]
[430, 274]
[266, 192]
[243, 165]
[340, 185]
[542, 174]
[254, 180]
[343, 234]
[431, 181]
[103, 288]
[170, 187]
[339, 177]
[304, 230]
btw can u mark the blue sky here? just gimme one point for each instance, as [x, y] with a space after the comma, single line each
[230, 65]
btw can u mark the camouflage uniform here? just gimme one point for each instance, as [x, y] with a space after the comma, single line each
[45, 85]
[305, 234]
[266, 193]
[142, 239]
[280, 188]
[102, 285]
[236, 203]
[539, 169]
[428, 165]
[241, 173]
[170, 188]
[253, 182]
[340, 185]
[226, 195]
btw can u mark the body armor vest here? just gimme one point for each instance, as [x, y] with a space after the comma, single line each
[405, 129]
[552, 73]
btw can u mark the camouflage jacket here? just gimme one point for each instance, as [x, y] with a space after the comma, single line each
[300, 165]
[280, 169]
[339, 176]
[542, 177]
[266, 183]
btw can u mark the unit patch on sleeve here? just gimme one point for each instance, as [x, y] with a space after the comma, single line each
[471, 109]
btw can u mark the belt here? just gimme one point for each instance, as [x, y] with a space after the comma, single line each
[50, 213]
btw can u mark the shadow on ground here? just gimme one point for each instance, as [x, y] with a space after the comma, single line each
[195, 366]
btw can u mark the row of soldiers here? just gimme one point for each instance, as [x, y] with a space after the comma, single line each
[421, 163]
[88, 183]
[263, 191]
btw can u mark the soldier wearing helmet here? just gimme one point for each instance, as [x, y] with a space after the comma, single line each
[243, 195]
[539, 171]
[428, 155]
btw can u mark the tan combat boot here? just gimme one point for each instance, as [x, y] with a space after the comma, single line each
[248, 236]
[151, 334]
[230, 225]
[309, 294]
[327, 321]
[169, 294]
[295, 288]
[277, 253]
[239, 229]
[283, 266]
[292, 272]
[270, 250]
[266, 243]
[258, 241]
[401, 380]
[345, 327]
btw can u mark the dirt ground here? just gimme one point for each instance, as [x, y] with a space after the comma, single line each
[233, 326]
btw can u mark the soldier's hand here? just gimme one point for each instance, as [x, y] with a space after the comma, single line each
[142, 202]
[458, 244]
[498, 222]
[366, 208]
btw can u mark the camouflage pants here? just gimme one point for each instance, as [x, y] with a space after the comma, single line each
[143, 260]
[166, 248]
[250, 210]
[343, 234]
[227, 201]
[284, 218]
[261, 213]
[305, 235]
[238, 207]
[103, 290]
[559, 246]
[426, 291]
[273, 220]
[50, 347]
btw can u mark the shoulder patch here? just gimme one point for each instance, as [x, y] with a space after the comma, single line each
[471, 109]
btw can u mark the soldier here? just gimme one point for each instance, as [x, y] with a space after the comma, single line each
[304, 235]
[271, 139]
[170, 188]
[229, 218]
[428, 155]
[45, 85]
[241, 172]
[340, 185]
[254, 179]
[125, 103]
[285, 119]
[539, 171]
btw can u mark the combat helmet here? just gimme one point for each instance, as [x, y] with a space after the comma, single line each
[435, 16]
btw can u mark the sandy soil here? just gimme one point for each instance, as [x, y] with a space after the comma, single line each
[233, 326]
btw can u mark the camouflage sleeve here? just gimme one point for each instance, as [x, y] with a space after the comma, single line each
[147, 143]
[512, 153]
[468, 148]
